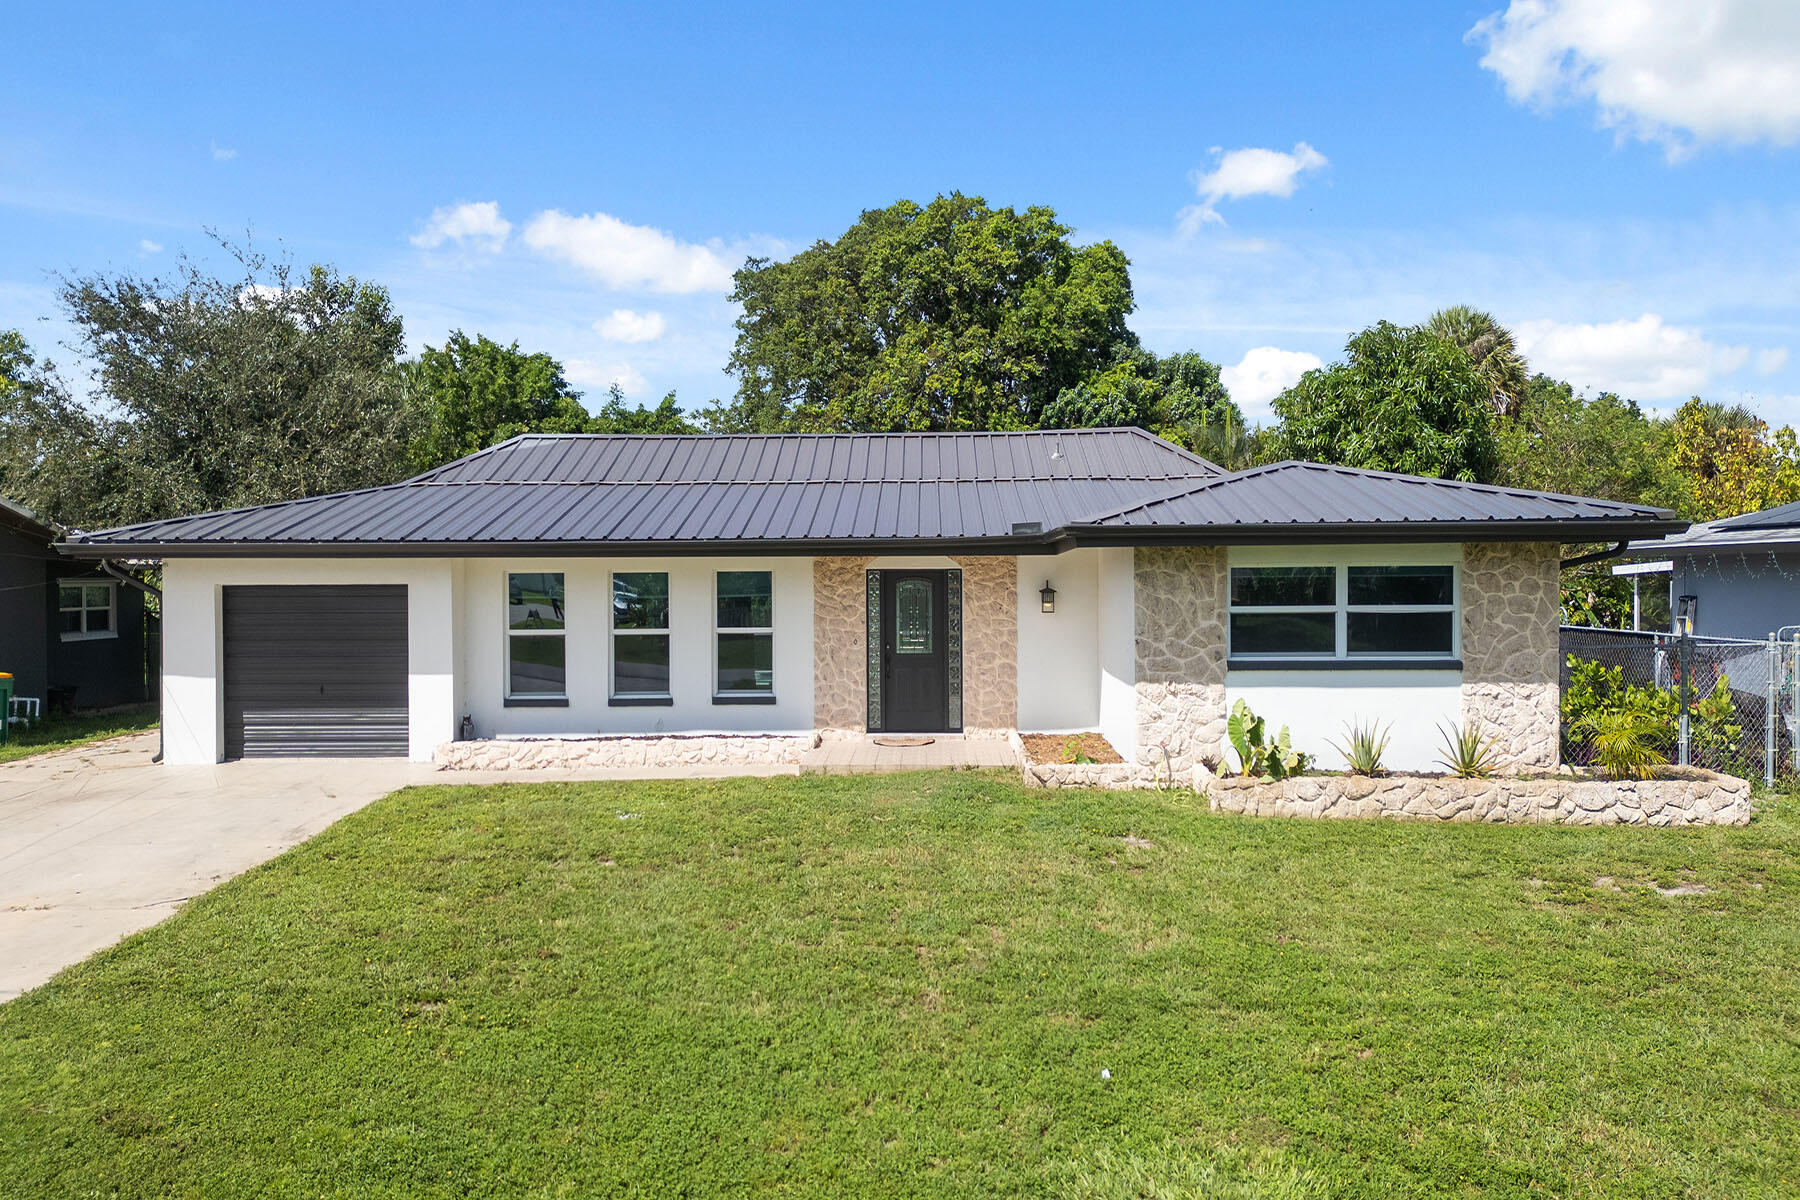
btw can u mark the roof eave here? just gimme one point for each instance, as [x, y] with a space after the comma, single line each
[1566, 531]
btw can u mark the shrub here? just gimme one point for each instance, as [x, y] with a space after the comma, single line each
[1363, 746]
[1597, 696]
[1257, 755]
[1467, 754]
[1625, 745]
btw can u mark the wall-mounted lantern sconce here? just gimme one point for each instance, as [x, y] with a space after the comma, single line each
[1687, 608]
[1047, 596]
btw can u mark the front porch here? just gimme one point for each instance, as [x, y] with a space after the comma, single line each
[880, 754]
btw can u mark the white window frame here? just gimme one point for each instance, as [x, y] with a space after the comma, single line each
[769, 630]
[1341, 560]
[84, 634]
[509, 633]
[612, 645]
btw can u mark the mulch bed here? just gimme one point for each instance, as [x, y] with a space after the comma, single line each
[1055, 747]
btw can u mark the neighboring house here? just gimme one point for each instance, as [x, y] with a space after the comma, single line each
[70, 634]
[1738, 577]
[852, 583]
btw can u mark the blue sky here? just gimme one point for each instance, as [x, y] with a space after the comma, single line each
[1616, 180]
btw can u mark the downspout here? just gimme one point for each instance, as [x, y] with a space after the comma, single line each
[1595, 556]
[119, 573]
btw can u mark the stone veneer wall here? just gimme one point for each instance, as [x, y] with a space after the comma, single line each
[990, 644]
[1511, 607]
[625, 750]
[1688, 797]
[1180, 621]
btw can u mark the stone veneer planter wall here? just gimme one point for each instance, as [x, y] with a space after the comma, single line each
[1689, 797]
[626, 750]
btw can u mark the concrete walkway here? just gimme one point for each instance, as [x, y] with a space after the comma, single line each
[866, 755]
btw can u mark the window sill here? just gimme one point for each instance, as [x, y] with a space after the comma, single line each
[536, 702]
[109, 635]
[640, 701]
[746, 699]
[1344, 664]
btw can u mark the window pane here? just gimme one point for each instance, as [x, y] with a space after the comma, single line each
[1402, 585]
[1284, 633]
[641, 600]
[641, 664]
[71, 620]
[1269, 586]
[746, 600]
[912, 616]
[746, 662]
[535, 601]
[99, 620]
[1399, 633]
[537, 666]
[68, 597]
[98, 596]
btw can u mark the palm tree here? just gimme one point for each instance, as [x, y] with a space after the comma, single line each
[1490, 347]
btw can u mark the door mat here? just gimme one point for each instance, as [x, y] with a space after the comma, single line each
[903, 741]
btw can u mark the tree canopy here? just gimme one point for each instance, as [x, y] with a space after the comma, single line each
[474, 393]
[1490, 347]
[1403, 400]
[953, 315]
[1176, 397]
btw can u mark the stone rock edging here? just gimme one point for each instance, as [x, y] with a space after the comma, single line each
[622, 750]
[1688, 797]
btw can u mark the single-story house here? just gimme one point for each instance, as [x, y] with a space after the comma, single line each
[70, 634]
[1738, 577]
[836, 585]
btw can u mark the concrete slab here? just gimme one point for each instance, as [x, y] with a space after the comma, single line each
[865, 755]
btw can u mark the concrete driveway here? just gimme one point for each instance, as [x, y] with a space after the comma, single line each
[98, 842]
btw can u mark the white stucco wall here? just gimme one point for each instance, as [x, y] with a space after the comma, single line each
[1116, 616]
[193, 698]
[588, 589]
[1059, 652]
[1316, 705]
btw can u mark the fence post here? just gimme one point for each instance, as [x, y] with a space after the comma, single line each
[1684, 660]
[1774, 664]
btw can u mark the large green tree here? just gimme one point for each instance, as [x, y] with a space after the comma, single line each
[57, 457]
[1402, 400]
[1561, 441]
[1490, 347]
[474, 393]
[1177, 397]
[951, 315]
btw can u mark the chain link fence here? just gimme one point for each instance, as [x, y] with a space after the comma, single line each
[1726, 704]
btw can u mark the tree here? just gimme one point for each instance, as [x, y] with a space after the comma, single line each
[226, 392]
[614, 417]
[1560, 441]
[56, 457]
[476, 393]
[953, 315]
[1174, 397]
[1404, 400]
[1722, 461]
[1490, 347]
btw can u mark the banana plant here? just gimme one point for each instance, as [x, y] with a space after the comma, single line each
[1257, 755]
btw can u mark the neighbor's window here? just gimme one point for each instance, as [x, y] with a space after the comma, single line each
[88, 610]
[745, 634]
[536, 662]
[640, 617]
[1341, 610]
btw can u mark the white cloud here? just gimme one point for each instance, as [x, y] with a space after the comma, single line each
[1248, 172]
[1644, 359]
[478, 224]
[585, 372]
[1263, 374]
[222, 153]
[1656, 70]
[1771, 360]
[150, 247]
[260, 293]
[629, 257]
[624, 325]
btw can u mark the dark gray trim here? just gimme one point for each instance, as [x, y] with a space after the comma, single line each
[1362, 532]
[640, 701]
[536, 702]
[872, 642]
[1344, 664]
[743, 699]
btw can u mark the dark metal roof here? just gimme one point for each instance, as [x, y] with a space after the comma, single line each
[592, 492]
[1304, 501]
[1782, 516]
[17, 516]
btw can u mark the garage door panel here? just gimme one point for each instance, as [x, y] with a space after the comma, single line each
[315, 670]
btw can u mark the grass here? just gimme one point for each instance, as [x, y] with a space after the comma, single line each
[909, 986]
[63, 733]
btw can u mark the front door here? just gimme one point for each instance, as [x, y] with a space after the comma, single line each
[915, 653]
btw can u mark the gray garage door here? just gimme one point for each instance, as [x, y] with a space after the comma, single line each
[315, 671]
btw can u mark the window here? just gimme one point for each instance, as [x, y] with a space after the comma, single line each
[640, 617]
[87, 610]
[1343, 611]
[745, 635]
[536, 662]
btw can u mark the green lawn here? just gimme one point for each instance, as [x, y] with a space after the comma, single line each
[910, 985]
[62, 733]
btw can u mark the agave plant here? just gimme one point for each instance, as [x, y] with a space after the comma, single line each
[1363, 746]
[1258, 756]
[1467, 754]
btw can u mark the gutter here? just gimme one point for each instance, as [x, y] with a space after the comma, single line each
[1596, 556]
